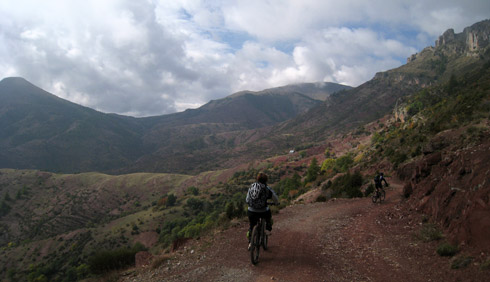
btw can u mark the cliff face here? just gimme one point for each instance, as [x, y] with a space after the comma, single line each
[473, 38]
[470, 42]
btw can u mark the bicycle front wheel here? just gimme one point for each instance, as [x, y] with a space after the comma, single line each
[255, 249]
[382, 196]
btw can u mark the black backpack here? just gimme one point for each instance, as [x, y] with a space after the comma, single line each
[257, 195]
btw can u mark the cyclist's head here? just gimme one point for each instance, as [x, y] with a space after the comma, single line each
[262, 178]
[381, 173]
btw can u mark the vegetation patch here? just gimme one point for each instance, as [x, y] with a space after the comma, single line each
[445, 249]
[321, 198]
[429, 232]
[461, 262]
[485, 265]
[106, 261]
[347, 185]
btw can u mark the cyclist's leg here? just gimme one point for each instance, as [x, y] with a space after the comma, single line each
[378, 186]
[252, 218]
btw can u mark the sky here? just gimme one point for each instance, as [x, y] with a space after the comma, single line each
[148, 57]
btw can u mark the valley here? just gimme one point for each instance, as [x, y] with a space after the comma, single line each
[84, 194]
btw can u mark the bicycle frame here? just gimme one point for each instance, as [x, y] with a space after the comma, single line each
[379, 194]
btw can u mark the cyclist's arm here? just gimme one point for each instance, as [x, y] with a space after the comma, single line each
[273, 196]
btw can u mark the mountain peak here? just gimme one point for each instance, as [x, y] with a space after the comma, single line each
[475, 37]
[14, 79]
[17, 82]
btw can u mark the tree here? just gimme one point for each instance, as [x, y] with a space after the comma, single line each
[328, 164]
[4, 208]
[343, 163]
[193, 190]
[327, 153]
[195, 204]
[230, 210]
[6, 197]
[171, 199]
[312, 171]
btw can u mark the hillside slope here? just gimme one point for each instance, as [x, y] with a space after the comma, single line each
[454, 55]
[41, 131]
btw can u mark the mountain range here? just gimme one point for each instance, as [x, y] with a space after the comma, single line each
[41, 131]
[425, 123]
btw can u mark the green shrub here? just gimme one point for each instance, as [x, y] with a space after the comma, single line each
[230, 210]
[171, 199]
[343, 163]
[193, 190]
[429, 232]
[445, 249]
[461, 262]
[347, 185]
[369, 190]
[195, 204]
[283, 187]
[485, 265]
[191, 231]
[4, 208]
[106, 261]
[159, 261]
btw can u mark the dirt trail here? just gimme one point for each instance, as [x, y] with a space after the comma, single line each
[340, 240]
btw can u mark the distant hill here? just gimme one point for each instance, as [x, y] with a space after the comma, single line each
[317, 91]
[41, 131]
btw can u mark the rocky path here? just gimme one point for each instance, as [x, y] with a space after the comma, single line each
[340, 240]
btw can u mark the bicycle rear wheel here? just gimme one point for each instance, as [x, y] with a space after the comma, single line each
[255, 249]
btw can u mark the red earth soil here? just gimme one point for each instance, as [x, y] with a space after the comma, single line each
[338, 240]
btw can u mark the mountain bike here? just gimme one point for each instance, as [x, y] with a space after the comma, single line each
[379, 195]
[258, 238]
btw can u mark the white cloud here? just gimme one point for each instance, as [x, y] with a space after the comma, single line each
[155, 57]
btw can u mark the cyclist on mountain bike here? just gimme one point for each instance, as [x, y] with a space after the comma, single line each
[378, 181]
[257, 196]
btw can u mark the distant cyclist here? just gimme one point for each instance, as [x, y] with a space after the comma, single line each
[378, 181]
[257, 196]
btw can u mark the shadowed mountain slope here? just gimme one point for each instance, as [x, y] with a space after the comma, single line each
[42, 131]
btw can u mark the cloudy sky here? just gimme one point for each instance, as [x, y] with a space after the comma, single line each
[150, 57]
